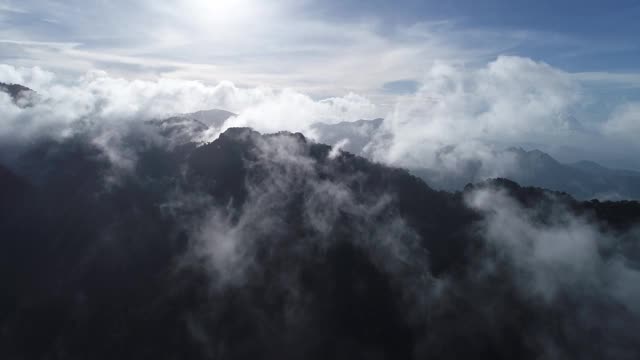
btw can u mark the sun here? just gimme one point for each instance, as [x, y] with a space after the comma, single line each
[213, 14]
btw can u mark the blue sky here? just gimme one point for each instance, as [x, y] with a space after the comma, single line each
[581, 35]
[583, 57]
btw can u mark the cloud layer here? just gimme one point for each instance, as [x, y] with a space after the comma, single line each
[106, 101]
[459, 115]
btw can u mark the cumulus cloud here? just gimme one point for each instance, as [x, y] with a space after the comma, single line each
[108, 107]
[101, 96]
[624, 122]
[34, 77]
[511, 99]
[292, 111]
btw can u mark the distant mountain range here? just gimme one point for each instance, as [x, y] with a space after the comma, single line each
[584, 179]
[184, 128]
[356, 133]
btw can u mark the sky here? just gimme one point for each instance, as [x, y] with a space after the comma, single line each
[482, 62]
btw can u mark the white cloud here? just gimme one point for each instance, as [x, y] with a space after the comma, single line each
[624, 122]
[108, 109]
[566, 256]
[289, 110]
[33, 77]
[460, 114]
[511, 99]
[110, 102]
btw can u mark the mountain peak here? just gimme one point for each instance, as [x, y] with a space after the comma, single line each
[239, 133]
[536, 156]
[211, 117]
[20, 94]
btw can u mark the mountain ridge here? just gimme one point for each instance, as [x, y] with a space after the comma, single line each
[253, 240]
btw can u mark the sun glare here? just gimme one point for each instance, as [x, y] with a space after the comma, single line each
[221, 13]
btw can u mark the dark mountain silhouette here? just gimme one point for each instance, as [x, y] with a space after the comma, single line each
[583, 180]
[15, 90]
[264, 246]
[183, 128]
[357, 133]
[20, 94]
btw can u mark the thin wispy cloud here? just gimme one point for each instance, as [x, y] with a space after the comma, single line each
[281, 43]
